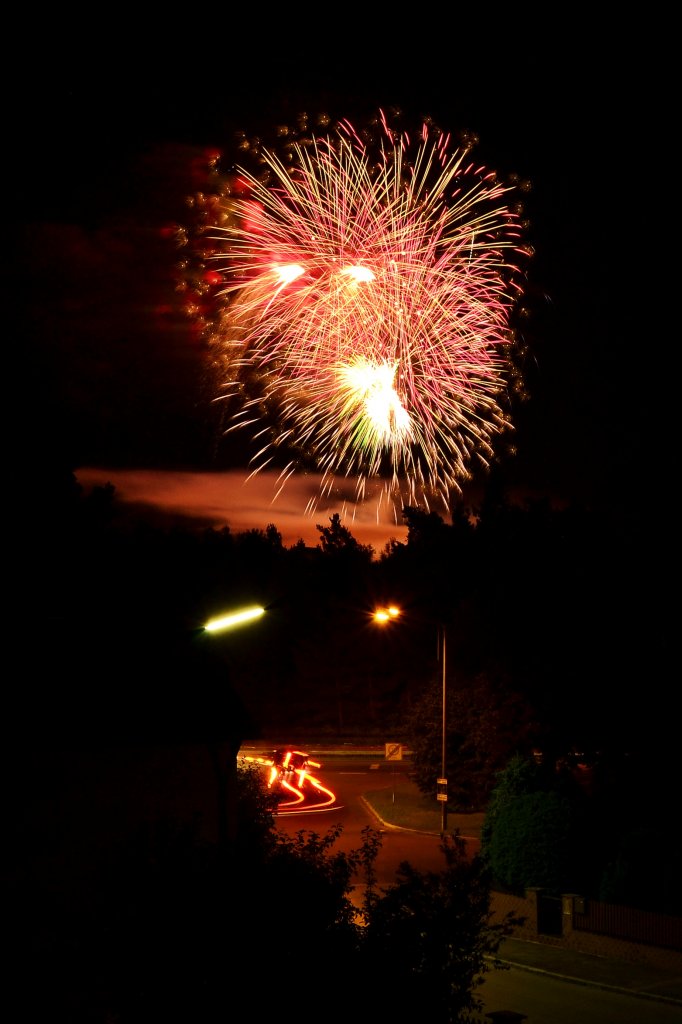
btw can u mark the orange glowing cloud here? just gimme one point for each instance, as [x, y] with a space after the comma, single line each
[237, 501]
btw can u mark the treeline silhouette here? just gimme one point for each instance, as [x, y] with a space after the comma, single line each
[561, 608]
[558, 637]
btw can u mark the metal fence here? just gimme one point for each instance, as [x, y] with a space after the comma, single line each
[618, 922]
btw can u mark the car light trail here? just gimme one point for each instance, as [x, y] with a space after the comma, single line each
[298, 791]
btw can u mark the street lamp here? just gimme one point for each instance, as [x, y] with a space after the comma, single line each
[443, 782]
[226, 771]
[383, 615]
[234, 619]
[387, 614]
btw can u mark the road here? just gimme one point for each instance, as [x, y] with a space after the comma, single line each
[539, 998]
[546, 999]
[74, 810]
[350, 778]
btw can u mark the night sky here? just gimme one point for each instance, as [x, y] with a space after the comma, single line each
[109, 144]
[109, 120]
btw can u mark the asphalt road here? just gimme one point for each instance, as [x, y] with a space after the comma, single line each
[69, 811]
[351, 778]
[536, 995]
[548, 999]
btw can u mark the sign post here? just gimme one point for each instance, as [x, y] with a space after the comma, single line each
[394, 752]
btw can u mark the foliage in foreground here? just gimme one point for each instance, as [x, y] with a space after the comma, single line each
[174, 929]
[431, 933]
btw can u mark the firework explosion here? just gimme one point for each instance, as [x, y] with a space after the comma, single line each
[365, 284]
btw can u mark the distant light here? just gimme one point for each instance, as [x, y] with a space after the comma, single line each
[235, 619]
[386, 614]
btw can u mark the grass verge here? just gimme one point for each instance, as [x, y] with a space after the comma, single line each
[403, 806]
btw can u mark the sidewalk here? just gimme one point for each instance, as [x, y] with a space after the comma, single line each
[639, 979]
[585, 969]
[636, 979]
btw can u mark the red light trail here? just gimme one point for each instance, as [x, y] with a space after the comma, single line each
[289, 776]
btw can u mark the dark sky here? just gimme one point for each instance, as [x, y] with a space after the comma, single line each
[107, 145]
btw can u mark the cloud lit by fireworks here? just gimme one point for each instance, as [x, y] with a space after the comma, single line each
[365, 283]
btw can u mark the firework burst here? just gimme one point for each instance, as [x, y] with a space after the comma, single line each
[367, 282]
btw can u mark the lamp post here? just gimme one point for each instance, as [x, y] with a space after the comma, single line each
[443, 782]
[387, 614]
[225, 767]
